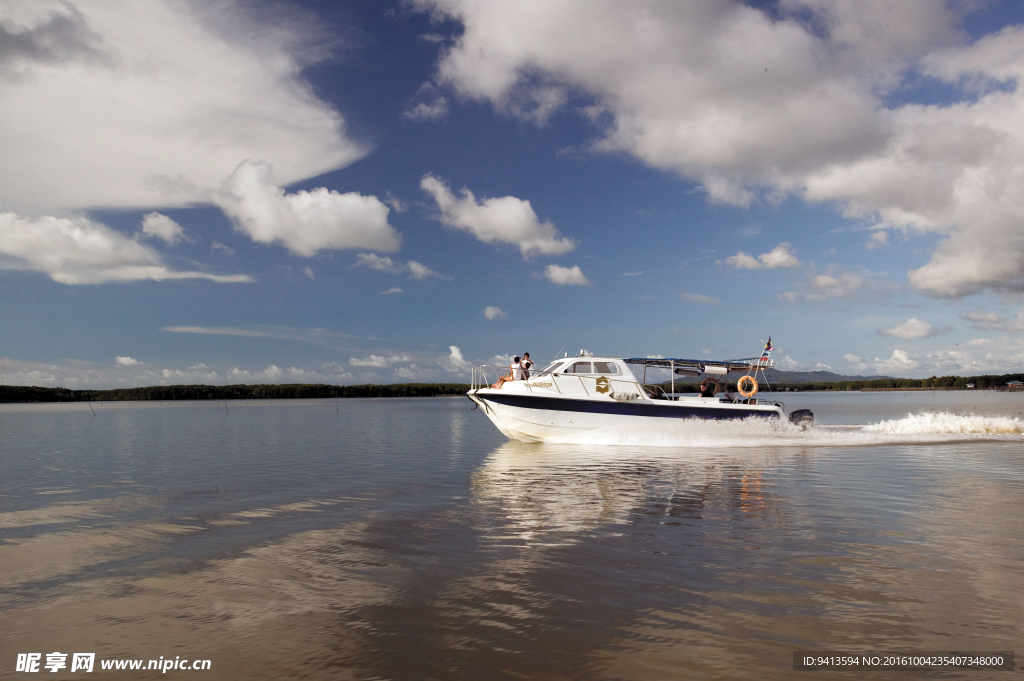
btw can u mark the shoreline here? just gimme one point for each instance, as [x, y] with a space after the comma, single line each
[171, 393]
[37, 394]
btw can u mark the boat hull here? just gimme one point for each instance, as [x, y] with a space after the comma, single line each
[538, 418]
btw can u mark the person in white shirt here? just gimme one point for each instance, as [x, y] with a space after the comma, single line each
[515, 373]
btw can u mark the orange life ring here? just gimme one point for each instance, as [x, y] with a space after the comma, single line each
[749, 392]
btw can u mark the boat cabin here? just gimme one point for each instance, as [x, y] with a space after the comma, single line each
[592, 376]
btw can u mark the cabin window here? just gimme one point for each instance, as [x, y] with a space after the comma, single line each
[579, 368]
[605, 368]
[553, 367]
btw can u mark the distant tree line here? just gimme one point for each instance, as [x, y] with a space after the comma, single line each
[15, 393]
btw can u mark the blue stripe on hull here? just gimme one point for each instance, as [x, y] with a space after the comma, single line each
[625, 408]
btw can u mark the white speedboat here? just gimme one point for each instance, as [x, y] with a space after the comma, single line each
[583, 393]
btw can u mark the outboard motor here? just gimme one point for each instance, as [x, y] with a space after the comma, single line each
[804, 418]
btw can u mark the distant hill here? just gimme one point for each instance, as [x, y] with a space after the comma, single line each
[786, 377]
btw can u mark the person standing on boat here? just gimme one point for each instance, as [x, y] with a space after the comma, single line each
[526, 365]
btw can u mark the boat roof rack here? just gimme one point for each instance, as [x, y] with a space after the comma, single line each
[699, 364]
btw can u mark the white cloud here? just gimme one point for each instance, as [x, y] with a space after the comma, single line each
[756, 104]
[371, 361]
[127, 361]
[391, 291]
[308, 271]
[219, 331]
[684, 84]
[430, 105]
[386, 264]
[378, 361]
[837, 282]
[984, 320]
[304, 222]
[433, 110]
[566, 276]
[397, 204]
[978, 359]
[410, 373]
[272, 374]
[990, 321]
[506, 220]
[900, 364]
[377, 262]
[743, 261]
[155, 225]
[492, 312]
[780, 256]
[320, 337]
[455, 362]
[81, 375]
[914, 328]
[699, 298]
[787, 363]
[419, 271]
[133, 104]
[878, 240]
[218, 246]
[79, 251]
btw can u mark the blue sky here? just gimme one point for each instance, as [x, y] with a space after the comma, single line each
[380, 192]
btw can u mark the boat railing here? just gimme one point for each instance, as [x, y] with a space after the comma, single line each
[480, 378]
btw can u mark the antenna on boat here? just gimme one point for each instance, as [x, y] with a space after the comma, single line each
[763, 362]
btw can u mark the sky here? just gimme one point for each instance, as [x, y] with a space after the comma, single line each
[350, 192]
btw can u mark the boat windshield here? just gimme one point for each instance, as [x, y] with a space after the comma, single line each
[551, 367]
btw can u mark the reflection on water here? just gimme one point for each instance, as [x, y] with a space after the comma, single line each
[407, 539]
[549, 490]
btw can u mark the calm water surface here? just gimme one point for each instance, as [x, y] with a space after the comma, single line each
[407, 539]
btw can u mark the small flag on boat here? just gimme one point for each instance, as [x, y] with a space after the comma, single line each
[767, 348]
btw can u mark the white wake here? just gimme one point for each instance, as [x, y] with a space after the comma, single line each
[920, 428]
[943, 423]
